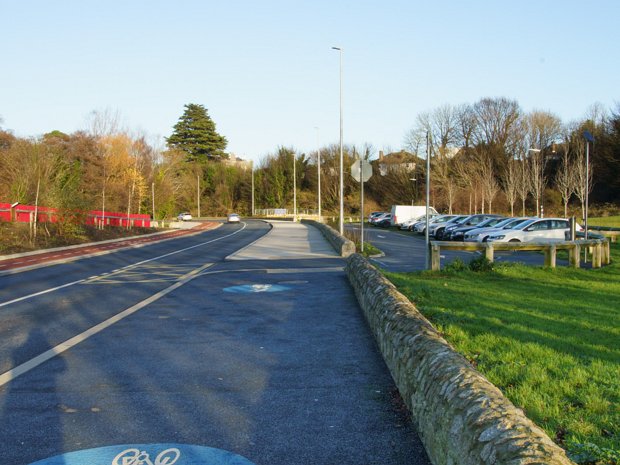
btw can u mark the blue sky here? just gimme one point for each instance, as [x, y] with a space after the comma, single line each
[266, 72]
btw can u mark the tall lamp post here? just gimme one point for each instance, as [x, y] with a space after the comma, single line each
[341, 221]
[428, 195]
[589, 139]
[318, 168]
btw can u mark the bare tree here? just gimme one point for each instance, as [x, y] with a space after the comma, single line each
[538, 181]
[581, 172]
[510, 184]
[565, 177]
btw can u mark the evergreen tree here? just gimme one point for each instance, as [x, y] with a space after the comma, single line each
[195, 135]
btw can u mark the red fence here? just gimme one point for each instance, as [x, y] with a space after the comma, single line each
[25, 214]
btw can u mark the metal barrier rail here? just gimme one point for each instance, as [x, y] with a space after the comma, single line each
[599, 249]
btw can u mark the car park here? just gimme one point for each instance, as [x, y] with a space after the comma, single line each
[482, 234]
[471, 220]
[535, 230]
[184, 216]
[233, 218]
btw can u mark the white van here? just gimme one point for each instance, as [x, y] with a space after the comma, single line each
[402, 213]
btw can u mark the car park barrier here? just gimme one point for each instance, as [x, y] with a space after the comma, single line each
[598, 248]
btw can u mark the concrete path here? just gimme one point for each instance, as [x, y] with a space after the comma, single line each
[287, 240]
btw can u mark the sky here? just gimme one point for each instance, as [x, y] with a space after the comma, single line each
[268, 76]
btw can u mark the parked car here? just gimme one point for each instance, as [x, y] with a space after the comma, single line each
[233, 218]
[184, 216]
[374, 215]
[458, 234]
[420, 226]
[471, 220]
[437, 229]
[384, 221]
[539, 230]
[482, 234]
[381, 218]
[407, 225]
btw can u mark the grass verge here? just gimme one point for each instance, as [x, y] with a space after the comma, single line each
[18, 238]
[548, 338]
[609, 221]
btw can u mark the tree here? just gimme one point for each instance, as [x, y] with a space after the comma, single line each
[195, 135]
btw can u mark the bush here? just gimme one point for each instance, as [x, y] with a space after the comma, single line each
[481, 264]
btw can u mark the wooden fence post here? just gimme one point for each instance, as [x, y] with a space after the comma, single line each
[435, 258]
[550, 255]
[574, 255]
[488, 252]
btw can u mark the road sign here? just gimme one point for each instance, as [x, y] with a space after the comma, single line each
[361, 171]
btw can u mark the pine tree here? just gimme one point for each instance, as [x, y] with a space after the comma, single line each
[195, 135]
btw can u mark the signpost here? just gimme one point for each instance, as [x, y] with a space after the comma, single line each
[361, 170]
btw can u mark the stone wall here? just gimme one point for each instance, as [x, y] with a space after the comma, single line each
[341, 244]
[461, 417]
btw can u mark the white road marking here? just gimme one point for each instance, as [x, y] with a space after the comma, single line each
[69, 343]
[47, 291]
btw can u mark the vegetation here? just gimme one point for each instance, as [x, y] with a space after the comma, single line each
[195, 135]
[607, 221]
[480, 162]
[17, 237]
[548, 338]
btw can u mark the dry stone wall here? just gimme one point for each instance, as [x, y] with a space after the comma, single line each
[461, 417]
[341, 244]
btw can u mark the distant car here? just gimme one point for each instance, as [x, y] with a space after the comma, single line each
[233, 218]
[436, 229]
[184, 217]
[374, 215]
[541, 229]
[459, 233]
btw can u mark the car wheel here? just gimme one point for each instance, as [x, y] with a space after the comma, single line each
[514, 240]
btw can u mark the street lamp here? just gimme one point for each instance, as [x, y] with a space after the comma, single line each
[318, 168]
[341, 221]
[589, 138]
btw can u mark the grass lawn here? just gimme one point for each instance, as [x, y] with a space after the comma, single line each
[548, 338]
[610, 221]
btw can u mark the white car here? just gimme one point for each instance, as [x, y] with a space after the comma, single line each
[482, 234]
[184, 217]
[537, 230]
[233, 218]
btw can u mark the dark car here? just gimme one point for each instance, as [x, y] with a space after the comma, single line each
[438, 233]
[456, 232]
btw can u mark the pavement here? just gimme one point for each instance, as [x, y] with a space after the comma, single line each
[287, 240]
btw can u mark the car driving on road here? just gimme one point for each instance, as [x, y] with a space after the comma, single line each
[184, 216]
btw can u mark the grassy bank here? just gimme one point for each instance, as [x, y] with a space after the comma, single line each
[548, 338]
[18, 238]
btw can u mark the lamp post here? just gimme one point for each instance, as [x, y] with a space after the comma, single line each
[318, 169]
[341, 221]
[428, 194]
[252, 167]
[294, 189]
[589, 138]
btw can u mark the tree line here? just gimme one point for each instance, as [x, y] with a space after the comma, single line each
[489, 156]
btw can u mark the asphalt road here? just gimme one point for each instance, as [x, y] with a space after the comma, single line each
[406, 252]
[173, 343]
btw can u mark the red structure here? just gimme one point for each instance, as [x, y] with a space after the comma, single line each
[25, 214]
